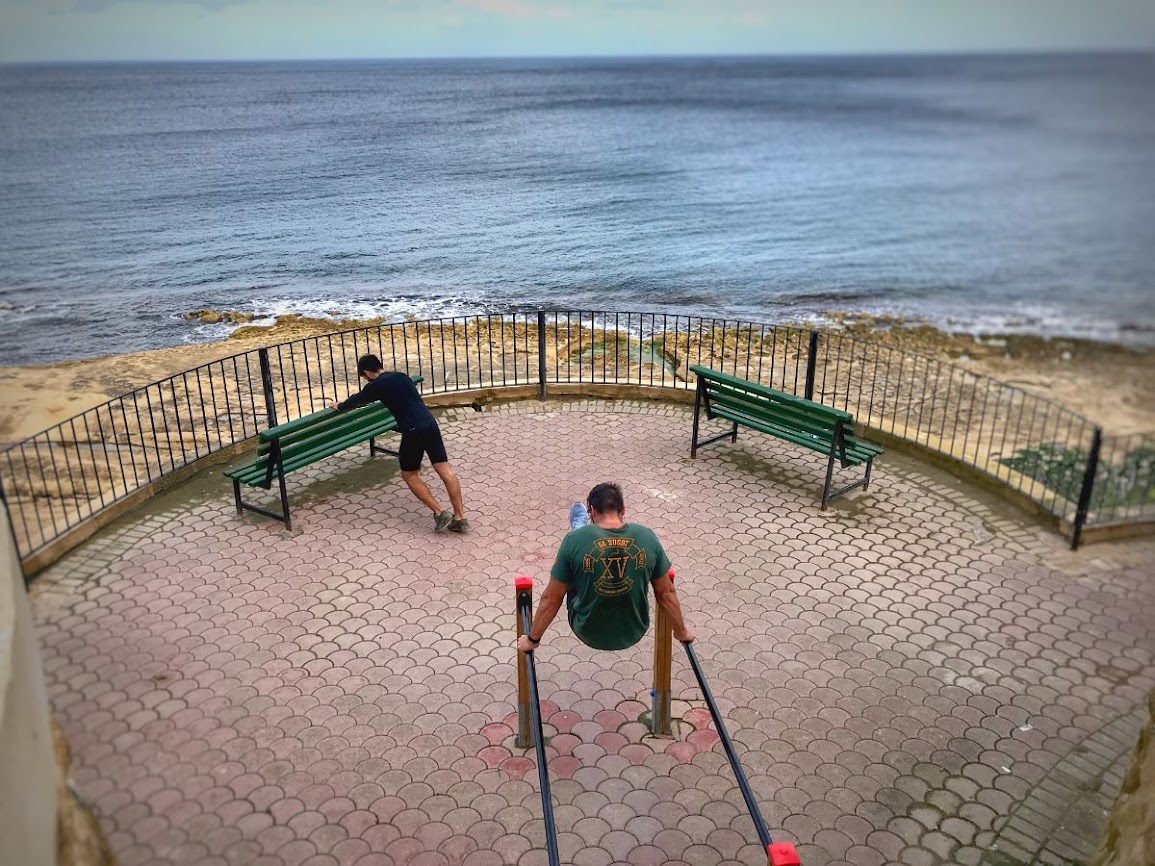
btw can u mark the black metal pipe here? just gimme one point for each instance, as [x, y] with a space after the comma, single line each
[267, 387]
[541, 366]
[747, 794]
[535, 715]
[1088, 486]
[811, 365]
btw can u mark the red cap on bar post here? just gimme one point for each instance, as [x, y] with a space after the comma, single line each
[782, 854]
[670, 575]
[522, 582]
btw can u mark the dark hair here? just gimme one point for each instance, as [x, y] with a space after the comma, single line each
[368, 364]
[607, 498]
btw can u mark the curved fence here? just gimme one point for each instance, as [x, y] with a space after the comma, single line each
[55, 481]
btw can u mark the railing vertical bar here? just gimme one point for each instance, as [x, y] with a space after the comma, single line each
[541, 363]
[333, 367]
[444, 362]
[115, 448]
[1071, 436]
[1087, 488]
[188, 403]
[140, 430]
[204, 415]
[281, 350]
[128, 437]
[103, 447]
[10, 504]
[40, 463]
[982, 423]
[66, 457]
[252, 396]
[464, 342]
[213, 405]
[1007, 409]
[80, 461]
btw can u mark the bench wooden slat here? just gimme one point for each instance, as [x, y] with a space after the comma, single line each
[320, 421]
[856, 452]
[255, 473]
[793, 419]
[364, 425]
[804, 418]
[767, 391]
[328, 426]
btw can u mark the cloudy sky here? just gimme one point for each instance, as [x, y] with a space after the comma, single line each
[39, 30]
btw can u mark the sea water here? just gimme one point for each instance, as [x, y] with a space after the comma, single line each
[979, 193]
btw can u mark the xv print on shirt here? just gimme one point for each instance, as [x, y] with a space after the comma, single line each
[615, 560]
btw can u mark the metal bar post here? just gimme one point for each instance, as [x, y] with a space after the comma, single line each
[541, 354]
[267, 385]
[747, 794]
[1088, 486]
[661, 720]
[523, 587]
[811, 366]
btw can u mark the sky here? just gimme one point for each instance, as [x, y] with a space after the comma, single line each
[70, 30]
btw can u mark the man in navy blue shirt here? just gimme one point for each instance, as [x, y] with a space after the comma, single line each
[420, 435]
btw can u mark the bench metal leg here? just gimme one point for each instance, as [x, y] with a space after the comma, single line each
[284, 502]
[826, 497]
[697, 413]
[243, 506]
[866, 481]
[734, 433]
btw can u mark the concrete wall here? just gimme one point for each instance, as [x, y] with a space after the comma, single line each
[27, 761]
[1129, 839]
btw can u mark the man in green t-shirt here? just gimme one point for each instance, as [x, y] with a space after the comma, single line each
[604, 571]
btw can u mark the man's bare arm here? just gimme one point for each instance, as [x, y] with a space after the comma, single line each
[667, 600]
[547, 608]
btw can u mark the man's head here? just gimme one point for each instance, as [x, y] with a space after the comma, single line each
[606, 498]
[369, 366]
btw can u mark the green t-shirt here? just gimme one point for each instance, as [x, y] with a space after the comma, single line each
[608, 574]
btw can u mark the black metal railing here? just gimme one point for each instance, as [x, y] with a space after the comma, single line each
[59, 478]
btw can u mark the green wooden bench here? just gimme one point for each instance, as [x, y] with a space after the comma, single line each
[297, 444]
[776, 413]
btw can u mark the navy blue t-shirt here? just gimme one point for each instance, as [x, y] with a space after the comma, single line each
[397, 391]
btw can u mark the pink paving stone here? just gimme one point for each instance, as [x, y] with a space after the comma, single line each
[636, 753]
[497, 733]
[518, 767]
[564, 744]
[703, 740]
[683, 752]
[610, 741]
[698, 717]
[564, 721]
[610, 720]
[494, 756]
[647, 855]
[564, 767]
[631, 709]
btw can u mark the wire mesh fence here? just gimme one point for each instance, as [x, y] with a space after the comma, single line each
[59, 478]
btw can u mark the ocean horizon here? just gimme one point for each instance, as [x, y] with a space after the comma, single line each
[982, 193]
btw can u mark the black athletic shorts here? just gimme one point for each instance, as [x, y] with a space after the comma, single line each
[415, 443]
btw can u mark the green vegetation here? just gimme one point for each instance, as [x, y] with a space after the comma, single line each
[1128, 482]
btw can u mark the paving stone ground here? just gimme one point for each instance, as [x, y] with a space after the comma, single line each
[918, 675]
